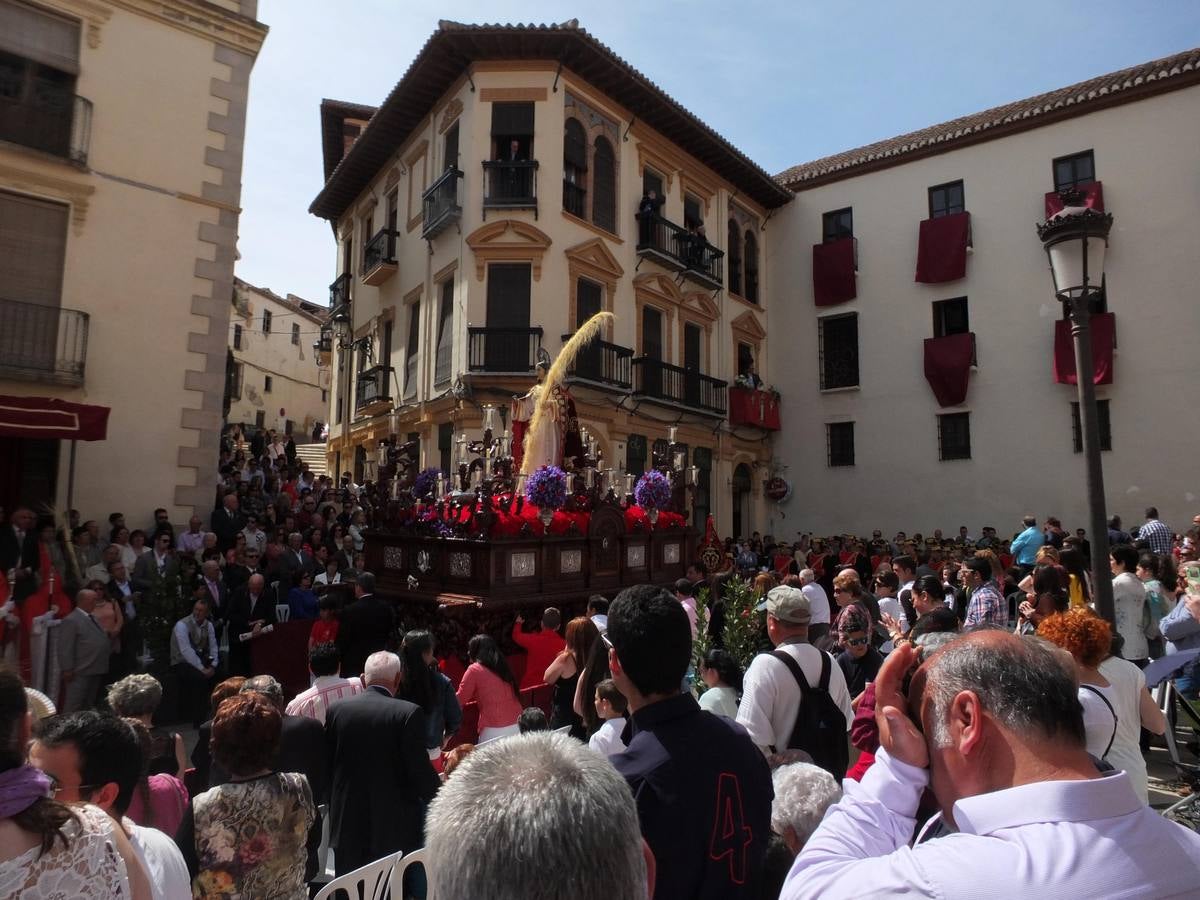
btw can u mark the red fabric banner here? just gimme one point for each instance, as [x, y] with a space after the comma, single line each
[1093, 198]
[1103, 329]
[750, 407]
[51, 418]
[942, 248]
[833, 272]
[948, 367]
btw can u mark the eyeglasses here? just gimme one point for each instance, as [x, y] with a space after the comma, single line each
[56, 788]
[856, 642]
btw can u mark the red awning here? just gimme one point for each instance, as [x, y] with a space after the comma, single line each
[51, 418]
[942, 248]
[948, 367]
[833, 272]
[1103, 329]
[1093, 198]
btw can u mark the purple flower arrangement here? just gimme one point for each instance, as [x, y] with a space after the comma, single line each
[546, 488]
[425, 483]
[653, 490]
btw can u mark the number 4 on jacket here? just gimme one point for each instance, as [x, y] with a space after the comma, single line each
[731, 836]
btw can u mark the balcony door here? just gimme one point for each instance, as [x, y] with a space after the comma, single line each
[507, 341]
[652, 350]
[33, 244]
[39, 62]
[691, 363]
[588, 302]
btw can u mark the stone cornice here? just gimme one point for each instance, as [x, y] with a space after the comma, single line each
[203, 19]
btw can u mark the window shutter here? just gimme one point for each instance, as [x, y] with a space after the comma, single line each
[512, 119]
[33, 243]
[575, 145]
[604, 185]
[45, 38]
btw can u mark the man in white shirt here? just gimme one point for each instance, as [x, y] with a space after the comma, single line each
[101, 750]
[1002, 744]
[770, 693]
[818, 603]
[195, 656]
[192, 540]
[325, 663]
[1129, 599]
[255, 536]
[100, 571]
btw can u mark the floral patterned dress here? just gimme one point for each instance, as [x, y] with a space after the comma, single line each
[250, 838]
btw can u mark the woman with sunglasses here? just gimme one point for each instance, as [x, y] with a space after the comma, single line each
[858, 660]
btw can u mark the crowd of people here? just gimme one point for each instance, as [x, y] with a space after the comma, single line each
[918, 714]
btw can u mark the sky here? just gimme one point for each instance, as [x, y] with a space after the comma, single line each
[784, 82]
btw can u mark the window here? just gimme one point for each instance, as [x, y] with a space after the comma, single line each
[368, 232]
[445, 333]
[445, 445]
[734, 241]
[266, 321]
[393, 218]
[751, 264]
[692, 217]
[635, 455]
[950, 317]
[410, 356]
[237, 337]
[39, 63]
[512, 123]
[450, 147]
[1103, 420]
[838, 338]
[348, 256]
[575, 169]
[296, 334]
[236, 373]
[745, 358]
[946, 200]
[954, 436]
[837, 224]
[652, 181]
[839, 443]
[604, 185]
[1074, 170]
[260, 419]
[324, 395]
[267, 384]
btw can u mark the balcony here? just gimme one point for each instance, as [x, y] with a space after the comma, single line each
[510, 185]
[604, 365]
[379, 257]
[56, 123]
[439, 205]
[339, 291]
[680, 250]
[676, 386]
[754, 408]
[502, 351]
[372, 390]
[42, 343]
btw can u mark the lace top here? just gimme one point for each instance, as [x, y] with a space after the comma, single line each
[88, 867]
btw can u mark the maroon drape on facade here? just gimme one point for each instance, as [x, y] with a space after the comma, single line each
[948, 367]
[833, 272]
[750, 407]
[1093, 198]
[53, 419]
[1103, 329]
[942, 248]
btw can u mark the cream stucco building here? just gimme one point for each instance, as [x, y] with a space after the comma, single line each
[490, 205]
[867, 443]
[121, 132]
[273, 380]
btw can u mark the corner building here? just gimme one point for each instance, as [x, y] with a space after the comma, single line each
[490, 205]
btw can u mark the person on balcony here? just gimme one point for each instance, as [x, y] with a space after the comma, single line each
[647, 212]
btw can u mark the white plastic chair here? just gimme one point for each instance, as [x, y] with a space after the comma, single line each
[323, 850]
[403, 861]
[370, 882]
[283, 612]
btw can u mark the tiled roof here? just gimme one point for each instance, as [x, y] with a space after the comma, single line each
[1130, 84]
[454, 46]
[334, 113]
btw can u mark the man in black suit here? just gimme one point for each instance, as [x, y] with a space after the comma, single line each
[218, 595]
[293, 561]
[382, 777]
[366, 626]
[227, 522]
[251, 609]
[19, 550]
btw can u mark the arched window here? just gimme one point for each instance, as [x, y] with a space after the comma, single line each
[750, 263]
[575, 169]
[735, 258]
[604, 185]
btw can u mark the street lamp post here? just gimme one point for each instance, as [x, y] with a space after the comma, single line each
[1075, 239]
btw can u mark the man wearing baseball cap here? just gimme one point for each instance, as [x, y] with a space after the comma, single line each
[770, 694]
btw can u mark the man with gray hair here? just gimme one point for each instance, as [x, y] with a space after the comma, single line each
[1001, 742]
[382, 777]
[802, 794]
[550, 802]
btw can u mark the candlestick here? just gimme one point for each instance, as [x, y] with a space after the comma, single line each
[671, 434]
[628, 482]
[695, 473]
[589, 477]
[489, 417]
[441, 486]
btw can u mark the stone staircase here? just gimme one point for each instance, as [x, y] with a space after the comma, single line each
[314, 455]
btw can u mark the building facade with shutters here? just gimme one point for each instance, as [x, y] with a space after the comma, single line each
[491, 205]
[118, 226]
[273, 380]
[924, 372]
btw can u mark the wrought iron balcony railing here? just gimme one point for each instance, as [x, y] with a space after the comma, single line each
[502, 350]
[664, 382]
[604, 364]
[680, 250]
[372, 385]
[510, 184]
[439, 204]
[339, 291]
[42, 343]
[57, 123]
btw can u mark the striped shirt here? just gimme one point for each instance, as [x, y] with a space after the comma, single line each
[987, 607]
[326, 691]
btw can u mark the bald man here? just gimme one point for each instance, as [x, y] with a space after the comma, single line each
[83, 651]
[251, 609]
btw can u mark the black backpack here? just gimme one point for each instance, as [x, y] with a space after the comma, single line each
[820, 729]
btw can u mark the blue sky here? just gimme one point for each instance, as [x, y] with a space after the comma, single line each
[784, 82]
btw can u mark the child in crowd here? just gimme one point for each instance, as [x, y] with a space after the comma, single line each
[533, 719]
[325, 629]
[610, 706]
